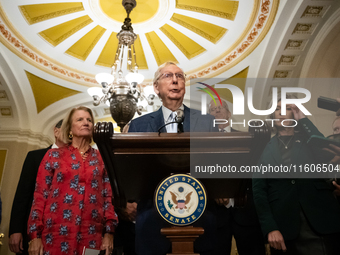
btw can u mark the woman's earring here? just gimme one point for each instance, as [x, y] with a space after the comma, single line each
[70, 136]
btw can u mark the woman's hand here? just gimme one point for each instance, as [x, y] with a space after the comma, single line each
[36, 247]
[276, 241]
[107, 243]
[298, 115]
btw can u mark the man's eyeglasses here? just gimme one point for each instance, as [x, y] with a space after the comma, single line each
[213, 109]
[169, 76]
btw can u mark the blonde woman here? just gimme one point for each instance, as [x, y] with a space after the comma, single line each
[72, 207]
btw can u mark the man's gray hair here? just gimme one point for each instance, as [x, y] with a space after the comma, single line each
[224, 104]
[158, 72]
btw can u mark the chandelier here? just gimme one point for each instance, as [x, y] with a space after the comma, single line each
[121, 92]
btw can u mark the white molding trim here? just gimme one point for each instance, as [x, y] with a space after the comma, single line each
[25, 136]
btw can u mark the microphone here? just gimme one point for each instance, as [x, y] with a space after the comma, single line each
[328, 104]
[178, 119]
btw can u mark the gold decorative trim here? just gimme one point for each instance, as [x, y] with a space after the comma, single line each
[153, 48]
[199, 31]
[179, 45]
[66, 35]
[215, 66]
[230, 16]
[48, 16]
[21, 50]
[252, 19]
[254, 37]
[90, 48]
[94, 42]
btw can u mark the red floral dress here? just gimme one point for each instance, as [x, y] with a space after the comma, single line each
[72, 202]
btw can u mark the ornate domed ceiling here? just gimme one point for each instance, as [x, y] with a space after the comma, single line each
[50, 51]
[78, 39]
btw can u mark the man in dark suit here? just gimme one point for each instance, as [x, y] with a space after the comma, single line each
[21, 208]
[169, 85]
[242, 223]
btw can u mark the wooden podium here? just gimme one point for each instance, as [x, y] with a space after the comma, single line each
[138, 162]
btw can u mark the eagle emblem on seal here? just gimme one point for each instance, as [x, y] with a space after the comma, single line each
[180, 203]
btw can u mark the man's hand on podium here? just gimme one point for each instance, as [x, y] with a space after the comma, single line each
[130, 211]
[222, 201]
[227, 202]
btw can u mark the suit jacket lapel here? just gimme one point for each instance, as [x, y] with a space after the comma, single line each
[190, 119]
[157, 120]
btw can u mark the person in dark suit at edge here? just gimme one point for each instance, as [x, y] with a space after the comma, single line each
[242, 223]
[169, 85]
[298, 216]
[18, 240]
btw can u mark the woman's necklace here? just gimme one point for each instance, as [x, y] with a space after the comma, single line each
[285, 145]
[83, 154]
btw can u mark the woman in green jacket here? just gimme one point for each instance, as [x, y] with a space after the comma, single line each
[297, 215]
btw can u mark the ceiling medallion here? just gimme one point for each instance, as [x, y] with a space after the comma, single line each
[162, 16]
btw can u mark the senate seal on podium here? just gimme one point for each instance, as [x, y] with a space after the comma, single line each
[180, 199]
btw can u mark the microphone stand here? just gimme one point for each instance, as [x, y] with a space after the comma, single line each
[179, 127]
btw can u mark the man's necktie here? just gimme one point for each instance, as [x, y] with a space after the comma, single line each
[172, 128]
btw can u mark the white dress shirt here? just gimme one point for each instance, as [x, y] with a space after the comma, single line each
[54, 146]
[225, 130]
[171, 128]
